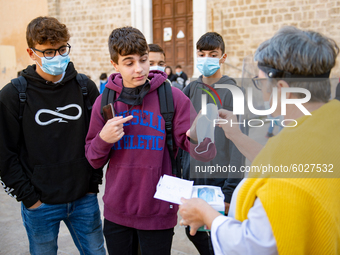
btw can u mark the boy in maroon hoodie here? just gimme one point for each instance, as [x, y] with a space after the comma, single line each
[134, 144]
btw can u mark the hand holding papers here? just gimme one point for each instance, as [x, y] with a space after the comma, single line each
[171, 189]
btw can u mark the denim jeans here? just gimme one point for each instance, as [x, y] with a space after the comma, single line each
[82, 218]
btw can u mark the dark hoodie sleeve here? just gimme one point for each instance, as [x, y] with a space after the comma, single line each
[235, 156]
[97, 174]
[13, 178]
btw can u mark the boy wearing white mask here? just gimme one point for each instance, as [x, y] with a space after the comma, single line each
[210, 55]
[156, 58]
[42, 154]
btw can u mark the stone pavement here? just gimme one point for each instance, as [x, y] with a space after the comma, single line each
[13, 239]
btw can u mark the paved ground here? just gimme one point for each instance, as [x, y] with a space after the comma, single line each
[13, 240]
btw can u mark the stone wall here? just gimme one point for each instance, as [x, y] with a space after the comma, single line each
[90, 23]
[15, 16]
[244, 24]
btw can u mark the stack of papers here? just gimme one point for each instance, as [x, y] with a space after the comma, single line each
[172, 189]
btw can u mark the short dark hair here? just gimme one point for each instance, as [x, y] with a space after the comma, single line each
[126, 41]
[211, 41]
[103, 76]
[46, 29]
[156, 48]
[178, 66]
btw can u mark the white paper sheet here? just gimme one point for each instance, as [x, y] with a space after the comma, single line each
[171, 189]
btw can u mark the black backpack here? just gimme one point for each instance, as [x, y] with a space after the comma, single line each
[167, 110]
[20, 84]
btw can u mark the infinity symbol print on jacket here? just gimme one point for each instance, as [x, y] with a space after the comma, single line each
[58, 114]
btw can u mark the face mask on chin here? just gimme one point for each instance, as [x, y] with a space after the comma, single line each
[54, 66]
[208, 66]
[158, 68]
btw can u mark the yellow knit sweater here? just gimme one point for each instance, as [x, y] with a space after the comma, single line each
[304, 213]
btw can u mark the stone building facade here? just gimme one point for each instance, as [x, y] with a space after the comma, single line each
[90, 22]
[244, 24]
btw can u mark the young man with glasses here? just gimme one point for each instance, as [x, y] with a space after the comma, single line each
[42, 156]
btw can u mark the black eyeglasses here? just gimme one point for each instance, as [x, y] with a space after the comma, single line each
[258, 82]
[50, 53]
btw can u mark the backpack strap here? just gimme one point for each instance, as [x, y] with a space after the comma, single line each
[20, 84]
[82, 80]
[337, 92]
[167, 110]
[108, 96]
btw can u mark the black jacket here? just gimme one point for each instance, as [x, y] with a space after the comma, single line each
[43, 157]
[227, 152]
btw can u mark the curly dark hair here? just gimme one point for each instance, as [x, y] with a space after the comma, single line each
[46, 29]
[126, 41]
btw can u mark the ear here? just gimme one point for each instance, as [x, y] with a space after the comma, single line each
[224, 57]
[115, 65]
[31, 54]
[282, 84]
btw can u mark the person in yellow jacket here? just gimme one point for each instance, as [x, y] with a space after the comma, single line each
[290, 203]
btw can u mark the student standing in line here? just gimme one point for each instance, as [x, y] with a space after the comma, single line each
[42, 134]
[134, 144]
[102, 82]
[210, 55]
[181, 77]
[156, 57]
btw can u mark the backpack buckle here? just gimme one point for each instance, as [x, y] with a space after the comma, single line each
[168, 126]
[22, 97]
[84, 91]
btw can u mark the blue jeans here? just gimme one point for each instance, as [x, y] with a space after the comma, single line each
[82, 218]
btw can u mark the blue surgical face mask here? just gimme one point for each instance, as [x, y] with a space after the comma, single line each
[267, 103]
[54, 66]
[208, 66]
[179, 73]
[159, 68]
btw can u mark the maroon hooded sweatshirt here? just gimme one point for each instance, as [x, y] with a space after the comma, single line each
[141, 157]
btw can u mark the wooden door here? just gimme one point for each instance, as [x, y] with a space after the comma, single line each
[174, 16]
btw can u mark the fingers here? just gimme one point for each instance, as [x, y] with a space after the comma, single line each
[120, 120]
[224, 113]
[113, 129]
[193, 230]
[183, 223]
[183, 200]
